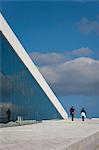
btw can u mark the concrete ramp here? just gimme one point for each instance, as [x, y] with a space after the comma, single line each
[52, 135]
[89, 143]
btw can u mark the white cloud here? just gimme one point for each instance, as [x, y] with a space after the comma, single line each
[83, 51]
[97, 16]
[57, 58]
[88, 26]
[76, 77]
[47, 58]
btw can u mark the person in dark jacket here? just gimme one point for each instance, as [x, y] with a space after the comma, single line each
[83, 114]
[72, 112]
[8, 114]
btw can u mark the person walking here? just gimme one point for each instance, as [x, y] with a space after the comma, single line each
[72, 112]
[83, 114]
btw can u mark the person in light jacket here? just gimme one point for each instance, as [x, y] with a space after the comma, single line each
[83, 114]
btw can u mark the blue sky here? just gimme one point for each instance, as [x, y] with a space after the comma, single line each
[51, 24]
[62, 37]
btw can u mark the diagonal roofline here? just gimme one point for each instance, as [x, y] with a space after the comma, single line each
[25, 58]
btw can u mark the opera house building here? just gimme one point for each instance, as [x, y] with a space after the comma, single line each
[23, 89]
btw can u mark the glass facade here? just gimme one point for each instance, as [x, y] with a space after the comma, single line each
[19, 91]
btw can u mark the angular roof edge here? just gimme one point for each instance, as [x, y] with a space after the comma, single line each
[12, 39]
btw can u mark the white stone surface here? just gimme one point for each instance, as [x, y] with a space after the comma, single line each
[52, 135]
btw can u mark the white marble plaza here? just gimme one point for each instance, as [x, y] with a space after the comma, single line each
[52, 135]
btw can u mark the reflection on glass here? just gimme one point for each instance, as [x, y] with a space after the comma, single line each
[18, 89]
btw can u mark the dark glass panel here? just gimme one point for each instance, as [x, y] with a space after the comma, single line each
[18, 89]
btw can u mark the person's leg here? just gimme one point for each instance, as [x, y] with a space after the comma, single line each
[8, 118]
[72, 117]
[82, 118]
